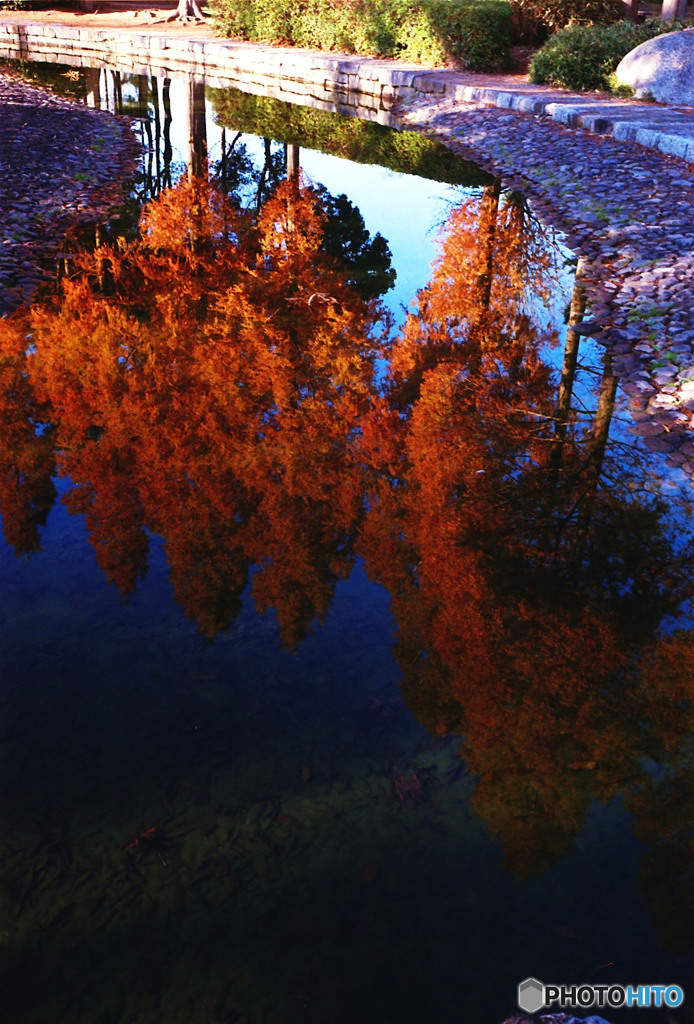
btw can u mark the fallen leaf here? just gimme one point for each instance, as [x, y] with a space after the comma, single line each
[370, 872]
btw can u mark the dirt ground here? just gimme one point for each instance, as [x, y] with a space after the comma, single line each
[150, 14]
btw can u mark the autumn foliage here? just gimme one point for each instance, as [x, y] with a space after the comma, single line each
[526, 587]
[27, 461]
[213, 382]
[205, 383]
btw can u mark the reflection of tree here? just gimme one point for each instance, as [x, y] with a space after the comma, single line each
[27, 459]
[248, 182]
[270, 174]
[524, 597]
[234, 169]
[210, 392]
[92, 82]
[293, 161]
[347, 137]
[568, 371]
[663, 809]
[345, 235]
[213, 382]
[196, 130]
[480, 318]
[346, 238]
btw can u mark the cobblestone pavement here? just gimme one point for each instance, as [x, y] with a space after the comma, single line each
[629, 212]
[60, 164]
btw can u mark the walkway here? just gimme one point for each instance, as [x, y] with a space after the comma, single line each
[137, 35]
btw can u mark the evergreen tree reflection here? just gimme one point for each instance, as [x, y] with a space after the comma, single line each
[213, 382]
[205, 382]
[528, 565]
[27, 455]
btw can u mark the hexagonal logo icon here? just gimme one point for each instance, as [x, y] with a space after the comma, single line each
[531, 995]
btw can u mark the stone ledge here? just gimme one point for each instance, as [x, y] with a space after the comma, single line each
[373, 86]
[671, 143]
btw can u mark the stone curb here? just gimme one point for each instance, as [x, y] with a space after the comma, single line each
[366, 87]
[668, 130]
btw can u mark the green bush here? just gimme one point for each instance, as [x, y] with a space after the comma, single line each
[314, 27]
[556, 14]
[323, 25]
[474, 34]
[583, 58]
[23, 5]
[477, 36]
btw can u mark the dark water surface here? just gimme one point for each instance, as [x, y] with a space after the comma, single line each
[345, 672]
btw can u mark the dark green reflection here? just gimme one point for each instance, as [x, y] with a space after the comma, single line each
[347, 137]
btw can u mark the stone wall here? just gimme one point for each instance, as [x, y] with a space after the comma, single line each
[366, 88]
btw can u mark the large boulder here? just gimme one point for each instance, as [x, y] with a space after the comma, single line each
[662, 68]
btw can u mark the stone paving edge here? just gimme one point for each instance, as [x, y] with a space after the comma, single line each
[371, 87]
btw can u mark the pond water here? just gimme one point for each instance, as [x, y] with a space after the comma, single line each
[345, 655]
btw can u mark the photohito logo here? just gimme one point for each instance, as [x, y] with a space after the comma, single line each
[533, 995]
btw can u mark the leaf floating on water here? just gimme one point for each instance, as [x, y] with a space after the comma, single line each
[285, 819]
[321, 813]
[370, 872]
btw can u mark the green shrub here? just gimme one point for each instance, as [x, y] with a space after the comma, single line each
[583, 58]
[415, 41]
[272, 19]
[475, 34]
[317, 26]
[556, 14]
[23, 5]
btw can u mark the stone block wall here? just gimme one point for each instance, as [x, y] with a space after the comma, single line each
[365, 88]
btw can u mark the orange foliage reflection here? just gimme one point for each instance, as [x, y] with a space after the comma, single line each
[214, 383]
[205, 383]
[27, 461]
[526, 587]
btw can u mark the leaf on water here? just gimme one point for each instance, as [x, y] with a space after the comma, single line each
[370, 872]
[285, 819]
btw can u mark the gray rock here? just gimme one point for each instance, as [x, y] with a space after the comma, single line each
[662, 67]
[585, 327]
[658, 444]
